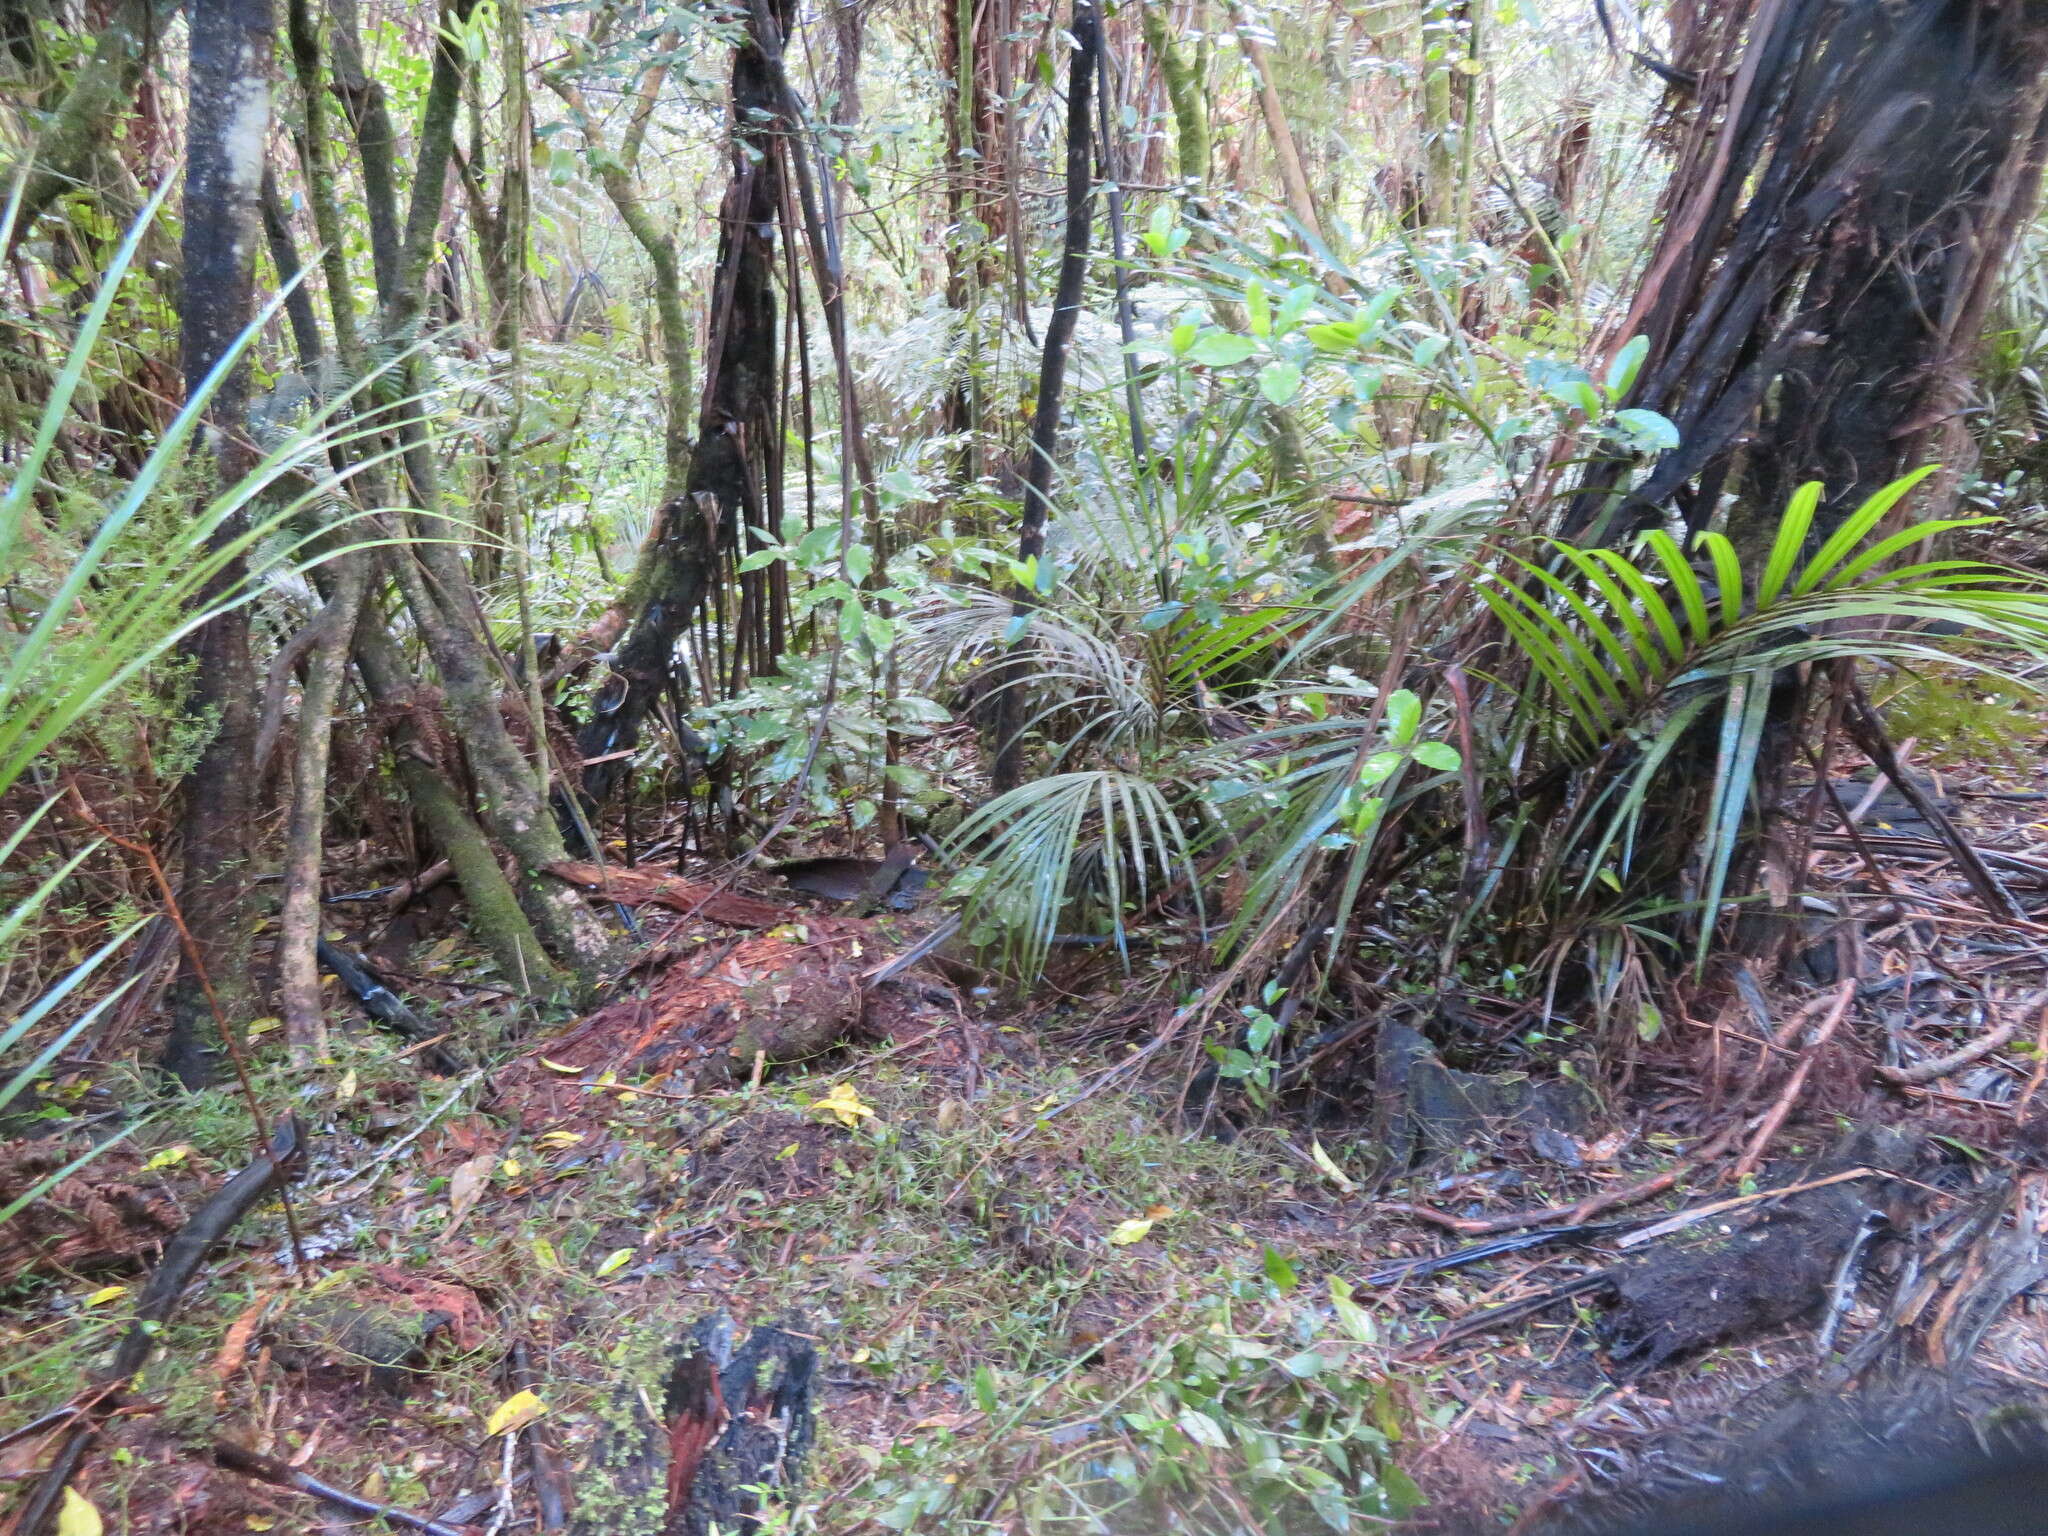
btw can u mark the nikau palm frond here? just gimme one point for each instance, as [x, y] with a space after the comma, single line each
[1104, 841]
[1635, 653]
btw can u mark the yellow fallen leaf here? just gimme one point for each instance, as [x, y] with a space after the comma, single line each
[260, 1026]
[169, 1157]
[258, 1522]
[560, 1138]
[559, 1066]
[1135, 1230]
[77, 1516]
[862, 1355]
[544, 1251]
[844, 1105]
[509, 1167]
[346, 1088]
[614, 1260]
[105, 1294]
[1158, 1212]
[516, 1412]
[1331, 1171]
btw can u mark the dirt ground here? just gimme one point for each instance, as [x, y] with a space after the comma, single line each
[1040, 1303]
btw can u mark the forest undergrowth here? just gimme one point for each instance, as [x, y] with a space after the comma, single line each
[1017, 768]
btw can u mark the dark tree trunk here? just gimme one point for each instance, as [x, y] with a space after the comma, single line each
[737, 425]
[1843, 202]
[229, 122]
[1052, 374]
[1839, 212]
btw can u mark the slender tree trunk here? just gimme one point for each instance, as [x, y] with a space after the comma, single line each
[1286, 154]
[1187, 93]
[229, 120]
[298, 940]
[736, 425]
[1008, 770]
[430, 571]
[101, 91]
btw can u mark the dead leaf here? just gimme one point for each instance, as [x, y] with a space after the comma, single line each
[234, 1349]
[516, 1412]
[465, 1186]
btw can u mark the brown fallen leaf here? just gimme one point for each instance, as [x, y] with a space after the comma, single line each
[636, 887]
[465, 1186]
[234, 1349]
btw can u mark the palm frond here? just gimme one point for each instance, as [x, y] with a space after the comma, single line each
[1079, 851]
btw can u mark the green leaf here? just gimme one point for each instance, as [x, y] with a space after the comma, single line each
[1258, 308]
[1280, 382]
[1222, 349]
[986, 1397]
[1790, 543]
[860, 562]
[1279, 1273]
[1336, 335]
[1182, 337]
[1857, 527]
[1628, 362]
[760, 558]
[1404, 716]
[1646, 429]
[1440, 755]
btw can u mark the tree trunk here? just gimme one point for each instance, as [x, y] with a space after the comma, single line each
[737, 426]
[1854, 178]
[101, 91]
[1008, 770]
[229, 121]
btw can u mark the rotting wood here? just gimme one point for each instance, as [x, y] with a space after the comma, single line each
[635, 887]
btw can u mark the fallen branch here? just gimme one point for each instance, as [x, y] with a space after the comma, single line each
[183, 1255]
[267, 1469]
[1684, 1219]
[550, 1478]
[636, 887]
[387, 1007]
[1585, 1210]
[1781, 1107]
[1867, 731]
[1928, 1071]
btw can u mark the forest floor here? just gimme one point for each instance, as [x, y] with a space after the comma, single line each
[1035, 1307]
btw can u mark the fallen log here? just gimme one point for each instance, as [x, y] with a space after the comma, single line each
[646, 887]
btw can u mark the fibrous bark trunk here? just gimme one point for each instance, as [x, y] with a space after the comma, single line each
[228, 122]
[737, 424]
[1852, 181]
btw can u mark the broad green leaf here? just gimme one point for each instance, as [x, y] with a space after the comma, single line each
[1647, 429]
[1628, 362]
[1280, 381]
[1404, 716]
[1440, 755]
[1222, 349]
